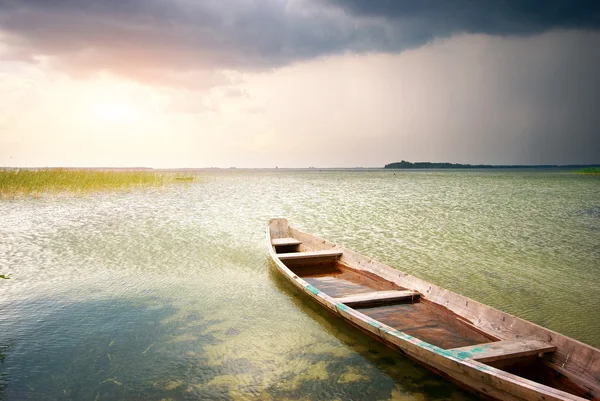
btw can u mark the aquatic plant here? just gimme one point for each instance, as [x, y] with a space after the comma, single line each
[16, 183]
[589, 171]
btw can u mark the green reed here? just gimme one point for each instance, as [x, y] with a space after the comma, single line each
[589, 170]
[24, 183]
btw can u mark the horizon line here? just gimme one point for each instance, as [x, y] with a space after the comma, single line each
[475, 166]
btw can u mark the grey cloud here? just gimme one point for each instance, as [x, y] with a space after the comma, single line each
[481, 16]
[146, 39]
[143, 35]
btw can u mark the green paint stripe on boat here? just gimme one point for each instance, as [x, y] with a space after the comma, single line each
[312, 289]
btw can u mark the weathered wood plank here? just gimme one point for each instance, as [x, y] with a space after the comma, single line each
[424, 321]
[309, 255]
[279, 228]
[285, 241]
[337, 287]
[500, 350]
[378, 297]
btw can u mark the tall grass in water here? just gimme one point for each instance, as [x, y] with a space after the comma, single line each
[24, 183]
[589, 171]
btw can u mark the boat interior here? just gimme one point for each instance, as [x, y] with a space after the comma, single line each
[410, 312]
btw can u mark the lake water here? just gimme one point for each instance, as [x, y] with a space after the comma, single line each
[170, 294]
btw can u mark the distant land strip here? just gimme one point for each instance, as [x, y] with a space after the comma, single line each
[429, 165]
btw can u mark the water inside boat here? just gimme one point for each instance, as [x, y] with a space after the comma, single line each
[410, 314]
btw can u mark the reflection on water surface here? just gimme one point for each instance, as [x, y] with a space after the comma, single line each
[170, 294]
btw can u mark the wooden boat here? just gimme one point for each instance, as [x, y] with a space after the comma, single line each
[491, 353]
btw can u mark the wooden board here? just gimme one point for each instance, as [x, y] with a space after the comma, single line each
[337, 280]
[376, 297]
[337, 287]
[285, 241]
[500, 350]
[309, 255]
[423, 321]
[278, 228]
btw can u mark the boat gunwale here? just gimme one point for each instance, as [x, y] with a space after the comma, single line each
[403, 340]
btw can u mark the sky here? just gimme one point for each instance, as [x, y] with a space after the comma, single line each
[298, 83]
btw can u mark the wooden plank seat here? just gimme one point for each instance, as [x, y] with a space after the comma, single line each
[378, 297]
[501, 350]
[285, 241]
[334, 253]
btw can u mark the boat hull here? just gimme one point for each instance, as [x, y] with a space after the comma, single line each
[482, 379]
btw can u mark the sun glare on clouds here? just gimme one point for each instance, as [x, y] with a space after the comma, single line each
[116, 111]
[112, 102]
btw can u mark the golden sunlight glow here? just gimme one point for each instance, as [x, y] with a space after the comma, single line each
[115, 109]
[114, 102]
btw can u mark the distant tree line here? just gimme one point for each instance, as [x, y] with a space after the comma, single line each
[405, 164]
[428, 165]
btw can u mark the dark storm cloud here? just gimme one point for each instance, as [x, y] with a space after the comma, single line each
[138, 37]
[482, 16]
[179, 35]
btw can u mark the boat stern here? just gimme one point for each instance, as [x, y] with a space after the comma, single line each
[278, 228]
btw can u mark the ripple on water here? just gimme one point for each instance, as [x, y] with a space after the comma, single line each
[170, 294]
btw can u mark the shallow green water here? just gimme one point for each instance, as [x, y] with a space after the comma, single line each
[170, 293]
